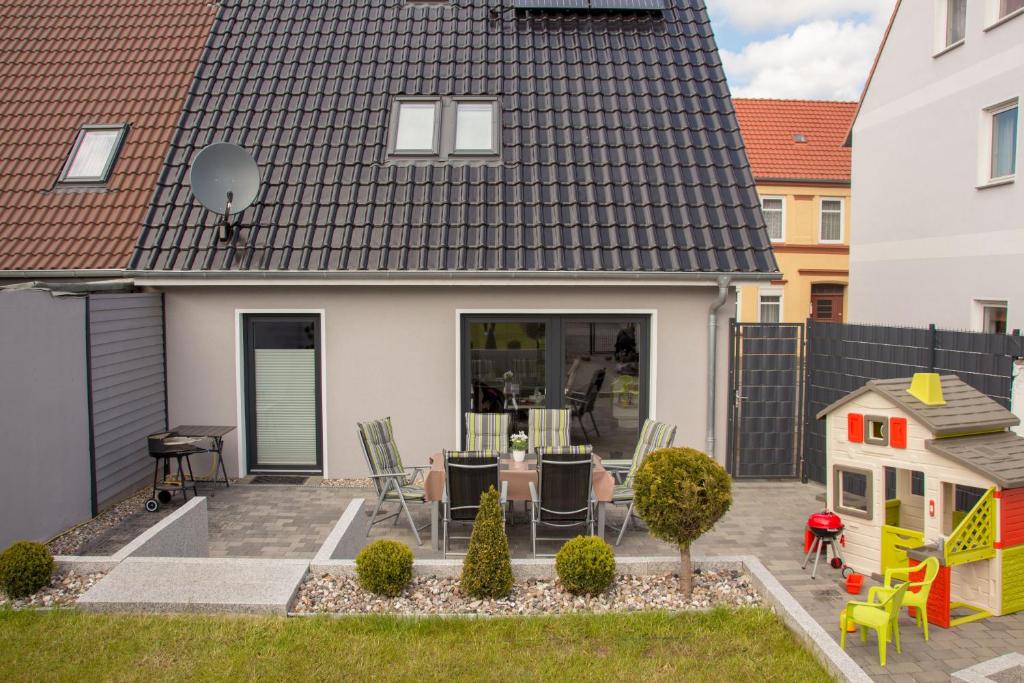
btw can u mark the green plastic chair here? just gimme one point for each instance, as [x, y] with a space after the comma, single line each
[883, 617]
[919, 599]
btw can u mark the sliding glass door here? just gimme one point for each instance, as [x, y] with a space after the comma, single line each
[282, 392]
[596, 366]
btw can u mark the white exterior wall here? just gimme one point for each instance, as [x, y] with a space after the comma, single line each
[390, 350]
[928, 241]
[864, 536]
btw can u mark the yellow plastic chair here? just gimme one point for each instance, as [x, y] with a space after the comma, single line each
[883, 617]
[918, 600]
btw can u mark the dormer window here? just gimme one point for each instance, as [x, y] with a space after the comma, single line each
[93, 155]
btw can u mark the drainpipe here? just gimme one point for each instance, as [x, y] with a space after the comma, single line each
[723, 293]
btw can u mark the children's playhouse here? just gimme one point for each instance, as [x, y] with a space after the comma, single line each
[927, 467]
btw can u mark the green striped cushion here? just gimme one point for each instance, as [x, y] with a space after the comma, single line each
[487, 432]
[470, 454]
[548, 428]
[565, 450]
[653, 436]
[380, 442]
[622, 492]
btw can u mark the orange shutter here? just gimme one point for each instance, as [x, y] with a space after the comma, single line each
[855, 427]
[898, 432]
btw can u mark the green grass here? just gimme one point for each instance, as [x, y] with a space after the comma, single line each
[743, 645]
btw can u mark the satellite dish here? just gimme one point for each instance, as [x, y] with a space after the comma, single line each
[225, 179]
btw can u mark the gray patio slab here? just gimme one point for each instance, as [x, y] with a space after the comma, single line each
[151, 584]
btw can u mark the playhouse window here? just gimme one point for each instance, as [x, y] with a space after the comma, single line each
[852, 491]
[917, 483]
[876, 430]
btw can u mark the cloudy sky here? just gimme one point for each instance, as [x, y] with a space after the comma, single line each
[817, 49]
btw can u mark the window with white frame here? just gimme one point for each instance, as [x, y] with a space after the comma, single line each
[416, 127]
[774, 210]
[474, 127]
[441, 128]
[770, 306]
[93, 155]
[852, 491]
[990, 316]
[1003, 123]
[1008, 7]
[831, 223]
[956, 21]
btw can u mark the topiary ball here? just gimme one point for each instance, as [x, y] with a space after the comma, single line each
[25, 567]
[585, 565]
[384, 567]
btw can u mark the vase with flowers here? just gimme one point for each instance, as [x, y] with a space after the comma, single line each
[519, 442]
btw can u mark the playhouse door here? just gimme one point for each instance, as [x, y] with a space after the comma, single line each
[895, 542]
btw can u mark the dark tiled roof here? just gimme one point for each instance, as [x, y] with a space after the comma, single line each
[998, 456]
[620, 148]
[965, 411]
[64, 64]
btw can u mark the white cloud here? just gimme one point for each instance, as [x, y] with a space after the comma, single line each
[753, 15]
[818, 60]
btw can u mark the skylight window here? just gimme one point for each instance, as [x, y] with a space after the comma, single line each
[93, 154]
[474, 127]
[416, 131]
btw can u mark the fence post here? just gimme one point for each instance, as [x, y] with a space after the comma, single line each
[931, 351]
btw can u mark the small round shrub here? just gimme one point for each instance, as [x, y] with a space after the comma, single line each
[585, 565]
[25, 567]
[487, 568]
[384, 567]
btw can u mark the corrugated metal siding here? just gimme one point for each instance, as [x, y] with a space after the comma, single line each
[1011, 517]
[126, 343]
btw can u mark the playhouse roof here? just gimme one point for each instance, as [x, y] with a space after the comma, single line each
[966, 410]
[999, 456]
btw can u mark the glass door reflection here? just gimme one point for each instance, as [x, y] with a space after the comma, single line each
[508, 368]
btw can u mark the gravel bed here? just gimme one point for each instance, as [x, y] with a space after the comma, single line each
[69, 542]
[327, 594]
[62, 590]
[347, 483]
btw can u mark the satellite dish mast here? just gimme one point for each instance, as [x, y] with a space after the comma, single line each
[225, 179]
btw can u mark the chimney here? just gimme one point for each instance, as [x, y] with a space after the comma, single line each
[926, 387]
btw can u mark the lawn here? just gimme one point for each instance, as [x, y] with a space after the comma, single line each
[723, 645]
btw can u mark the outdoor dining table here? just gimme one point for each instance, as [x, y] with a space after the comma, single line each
[518, 475]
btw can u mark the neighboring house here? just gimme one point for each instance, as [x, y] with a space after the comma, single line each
[936, 153]
[802, 169]
[463, 207]
[91, 94]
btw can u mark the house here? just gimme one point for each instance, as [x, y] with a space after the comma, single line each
[802, 170]
[462, 208]
[927, 467]
[936, 150]
[91, 95]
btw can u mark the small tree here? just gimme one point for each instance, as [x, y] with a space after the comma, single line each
[487, 569]
[680, 493]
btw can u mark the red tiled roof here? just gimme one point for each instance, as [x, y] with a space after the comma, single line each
[769, 127]
[64, 64]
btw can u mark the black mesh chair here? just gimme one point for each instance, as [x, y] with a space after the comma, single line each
[566, 496]
[467, 476]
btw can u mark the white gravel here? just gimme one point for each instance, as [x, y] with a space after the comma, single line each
[329, 594]
[63, 590]
[72, 540]
[347, 483]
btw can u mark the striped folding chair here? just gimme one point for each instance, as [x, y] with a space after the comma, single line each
[393, 481]
[548, 428]
[487, 432]
[653, 435]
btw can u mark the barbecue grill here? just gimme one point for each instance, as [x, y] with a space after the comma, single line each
[162, 447]
[826, 529]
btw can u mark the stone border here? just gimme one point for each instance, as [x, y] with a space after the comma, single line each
[330, 544]
[983, 672]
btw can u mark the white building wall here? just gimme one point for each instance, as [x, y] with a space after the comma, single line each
[929, 242]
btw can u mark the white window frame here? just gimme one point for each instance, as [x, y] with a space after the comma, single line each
[495, 126]
[396, 120]
[842, 219]
[121, 129]
[942, 28]
[782, 198]
[986, 139]
[992, 18]
[772, 291]
[837, 491]
[978, 311]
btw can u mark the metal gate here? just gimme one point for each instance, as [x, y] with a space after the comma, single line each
[766, 400]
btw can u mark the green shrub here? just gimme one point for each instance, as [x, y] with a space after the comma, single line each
[680, 493]
[384, 567]
[25, 567]
[585, 565]
[487, 569]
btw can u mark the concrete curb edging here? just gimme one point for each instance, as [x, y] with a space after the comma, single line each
[522, 569]
[183, 533]
[800, 622]
[983, 672]
[330, 544]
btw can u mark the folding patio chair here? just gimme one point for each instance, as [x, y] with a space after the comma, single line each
[566, 495]
[393, 481]
[467, 476]
[582, 403]
[653, 436]
[487, 432]
[548, 428]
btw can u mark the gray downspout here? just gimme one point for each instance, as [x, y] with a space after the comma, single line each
[723, 294]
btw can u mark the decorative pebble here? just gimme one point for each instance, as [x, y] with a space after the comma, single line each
[347, 483]
[62, 590]
[327, 594]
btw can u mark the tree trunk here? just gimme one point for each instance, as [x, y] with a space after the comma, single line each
[685, 571]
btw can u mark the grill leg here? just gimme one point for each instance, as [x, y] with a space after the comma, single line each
[817, 556]
[807, 557]
[156, 475]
